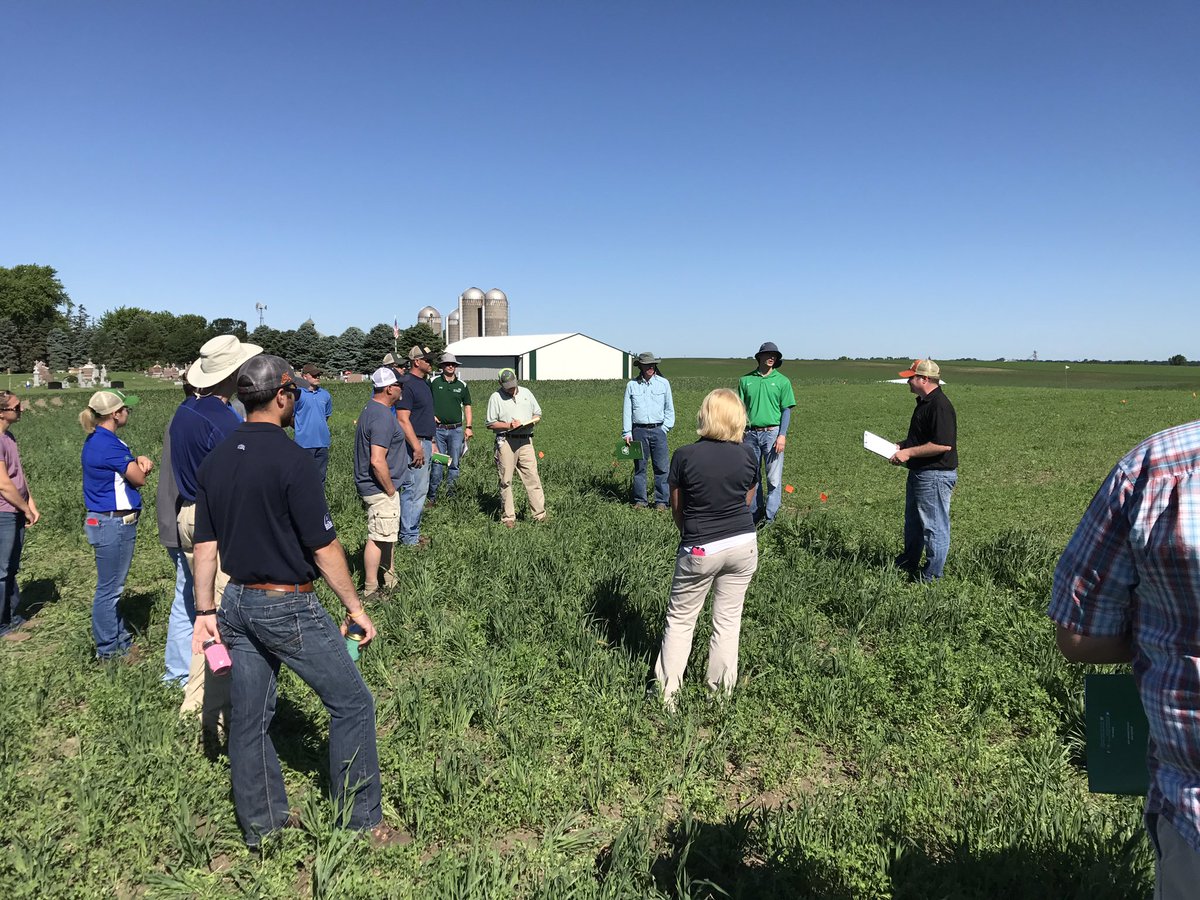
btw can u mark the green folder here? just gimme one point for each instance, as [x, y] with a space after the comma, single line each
[628, 451]
[1117, 734]
[442, 458]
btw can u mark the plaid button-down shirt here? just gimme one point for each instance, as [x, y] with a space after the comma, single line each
[1133, 568]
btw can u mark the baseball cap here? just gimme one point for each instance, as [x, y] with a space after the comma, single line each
[266, 373]
[105, 403]
[384, 376]
[507, 378]
[926, 367]
[311, 369]
[422, 352]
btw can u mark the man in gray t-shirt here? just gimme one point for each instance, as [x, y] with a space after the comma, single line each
[380, 458]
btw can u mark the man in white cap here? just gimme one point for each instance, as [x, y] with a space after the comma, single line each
[200, 423]
[512, 413]
[452, 413]
[930, 451]
[380, 459]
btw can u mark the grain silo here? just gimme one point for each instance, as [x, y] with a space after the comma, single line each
[470, 305]
[431, 317]
[495, 313]
[453, 329]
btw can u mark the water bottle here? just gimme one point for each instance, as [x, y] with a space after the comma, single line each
[354, 634]
[217, 657]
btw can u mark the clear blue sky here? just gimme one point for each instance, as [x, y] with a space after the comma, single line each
[867, 178]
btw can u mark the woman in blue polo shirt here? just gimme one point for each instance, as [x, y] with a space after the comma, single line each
[111, 478]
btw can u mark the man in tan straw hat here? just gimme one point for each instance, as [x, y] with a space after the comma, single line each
[199, 425]
[930, 451]
[647, 414]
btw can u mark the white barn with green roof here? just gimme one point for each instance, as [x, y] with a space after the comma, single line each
[540, 357]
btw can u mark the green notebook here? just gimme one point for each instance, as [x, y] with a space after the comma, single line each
[628, 451]
[1117, 734]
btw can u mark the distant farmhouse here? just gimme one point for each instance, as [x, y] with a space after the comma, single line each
[476, 332]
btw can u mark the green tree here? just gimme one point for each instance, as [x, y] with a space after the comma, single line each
[183, 341]
[1178, 360]
[31, 297]
[378, 342]
[82, 330]
[236, 327]
[9, 357]
[421, 334]
[345, 351]
[58, 350]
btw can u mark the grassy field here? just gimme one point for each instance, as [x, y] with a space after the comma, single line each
[886, 739]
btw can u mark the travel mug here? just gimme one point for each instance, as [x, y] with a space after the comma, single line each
[354, 634]
[217, 656]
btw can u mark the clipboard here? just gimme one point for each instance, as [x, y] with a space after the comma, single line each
[1117, 735]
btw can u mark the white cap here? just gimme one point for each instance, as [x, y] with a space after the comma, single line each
[384, 376]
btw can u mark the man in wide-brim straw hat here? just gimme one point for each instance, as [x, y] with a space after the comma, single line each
[200, 423]
[647, 415]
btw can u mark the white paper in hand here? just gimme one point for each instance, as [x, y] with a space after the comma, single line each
[881, 446]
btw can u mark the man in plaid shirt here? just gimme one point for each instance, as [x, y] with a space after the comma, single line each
[1127, 589]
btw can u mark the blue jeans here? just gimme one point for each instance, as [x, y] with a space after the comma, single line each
[927, 522]
[450, 442]
[763, 443]
[12, 539]
[414, 488]
[262, 629]
[113, 541]
[654, 449]
[320, 455]
[180, 621]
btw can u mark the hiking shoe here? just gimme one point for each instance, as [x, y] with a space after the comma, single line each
[660, 507]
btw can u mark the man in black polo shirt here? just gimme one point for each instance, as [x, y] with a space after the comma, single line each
[414, 410]
[931, 453]
[259, 497]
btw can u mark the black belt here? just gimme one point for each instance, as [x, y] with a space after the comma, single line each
[285, 588]
[449, 425]
[424, 437]
[113, 514]
[647, 424]
[761, 427]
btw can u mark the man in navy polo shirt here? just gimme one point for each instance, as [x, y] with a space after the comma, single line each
[259, 499]
[415, 413]
[200, 423]
[313, 410]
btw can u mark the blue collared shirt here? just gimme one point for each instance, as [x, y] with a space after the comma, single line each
[313, 409]
[645, 402]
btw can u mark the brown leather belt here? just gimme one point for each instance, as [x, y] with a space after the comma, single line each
[281, 588]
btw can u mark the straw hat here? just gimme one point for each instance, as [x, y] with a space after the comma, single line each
[220, 358]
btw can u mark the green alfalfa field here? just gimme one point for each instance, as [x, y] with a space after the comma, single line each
[886, 739]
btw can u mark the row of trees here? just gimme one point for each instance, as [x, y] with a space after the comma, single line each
[38, 320]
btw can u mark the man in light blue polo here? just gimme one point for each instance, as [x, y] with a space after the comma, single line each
[314, 407]
[768, 397]
[647, 415]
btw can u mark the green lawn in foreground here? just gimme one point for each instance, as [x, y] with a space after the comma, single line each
[885, 740]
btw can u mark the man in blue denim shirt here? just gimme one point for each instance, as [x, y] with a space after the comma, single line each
[259, 497]
[647, 414]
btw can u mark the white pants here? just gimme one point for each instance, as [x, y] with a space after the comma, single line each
[728, 573]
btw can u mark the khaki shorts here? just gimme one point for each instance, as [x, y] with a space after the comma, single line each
[383, 517]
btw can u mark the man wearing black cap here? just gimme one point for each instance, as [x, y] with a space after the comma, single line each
[313, 410]
[259, 497]
[768, 397]
[414, 410]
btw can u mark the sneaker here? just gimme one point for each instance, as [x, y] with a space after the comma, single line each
[369, 594]
[641, 504]
[660, 507]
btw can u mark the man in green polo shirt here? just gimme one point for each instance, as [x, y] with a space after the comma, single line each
[768, 397]
[452, 412]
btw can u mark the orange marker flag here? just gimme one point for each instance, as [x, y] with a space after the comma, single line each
[824, 496]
